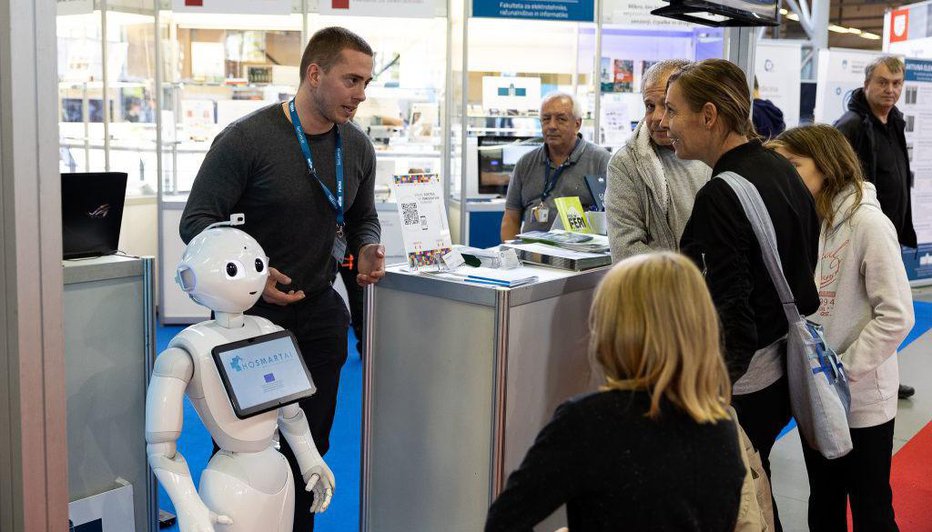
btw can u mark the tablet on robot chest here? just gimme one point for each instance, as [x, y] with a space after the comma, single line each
[263, 373]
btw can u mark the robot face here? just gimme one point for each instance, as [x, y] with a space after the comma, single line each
[223, 269]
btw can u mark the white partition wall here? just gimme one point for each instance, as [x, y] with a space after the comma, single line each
[33, 449]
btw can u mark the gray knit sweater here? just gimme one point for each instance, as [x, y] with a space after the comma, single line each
[649, 196]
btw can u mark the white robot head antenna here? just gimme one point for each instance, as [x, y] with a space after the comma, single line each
[223, 268]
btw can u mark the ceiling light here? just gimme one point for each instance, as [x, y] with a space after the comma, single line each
[793, 16]
[855, 31]
[783, 12]
[837, 29]
[870, 36]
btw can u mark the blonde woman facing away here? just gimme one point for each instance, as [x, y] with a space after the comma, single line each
[655, 449]
[866, 309]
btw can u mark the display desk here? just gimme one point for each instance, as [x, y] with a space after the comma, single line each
[109, 322]
[458, 381]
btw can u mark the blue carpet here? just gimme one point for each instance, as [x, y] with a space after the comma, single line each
[343, 458]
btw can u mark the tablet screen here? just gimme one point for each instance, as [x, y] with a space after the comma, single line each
[263, 373]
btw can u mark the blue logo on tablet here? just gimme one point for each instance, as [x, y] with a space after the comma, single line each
[237, 363]
[269, 377]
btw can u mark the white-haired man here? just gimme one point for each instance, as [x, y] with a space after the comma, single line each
[556, 169]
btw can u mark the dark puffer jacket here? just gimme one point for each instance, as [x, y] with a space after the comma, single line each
[857, 125]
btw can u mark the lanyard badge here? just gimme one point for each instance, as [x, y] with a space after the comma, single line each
[336, 201]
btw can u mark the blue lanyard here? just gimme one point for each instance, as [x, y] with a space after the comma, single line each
[550, 181]
[335, 201]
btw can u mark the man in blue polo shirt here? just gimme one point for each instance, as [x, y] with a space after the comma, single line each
[556, 169]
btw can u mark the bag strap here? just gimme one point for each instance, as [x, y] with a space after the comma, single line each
[757, 215]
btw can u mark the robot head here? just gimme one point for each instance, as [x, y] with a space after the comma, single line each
[223, 269]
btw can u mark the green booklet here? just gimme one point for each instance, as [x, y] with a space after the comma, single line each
[572, 214]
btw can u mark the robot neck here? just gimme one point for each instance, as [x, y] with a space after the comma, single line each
[230, 320]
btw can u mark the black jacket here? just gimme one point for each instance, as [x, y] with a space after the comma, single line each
[857, 126]
[720, 240]
[767, 118]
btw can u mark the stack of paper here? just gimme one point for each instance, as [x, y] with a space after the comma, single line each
[491, 276]
[567, 240]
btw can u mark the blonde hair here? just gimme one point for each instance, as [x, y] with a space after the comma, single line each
[833, 157]
[653, 327]
[722, 84]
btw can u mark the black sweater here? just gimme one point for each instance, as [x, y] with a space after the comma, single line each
[719, 238]
[255, 166]
[616, 469]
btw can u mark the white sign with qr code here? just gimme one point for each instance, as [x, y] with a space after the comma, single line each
[424, 226]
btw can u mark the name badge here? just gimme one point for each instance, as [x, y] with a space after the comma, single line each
[541, 214]
[339, 248]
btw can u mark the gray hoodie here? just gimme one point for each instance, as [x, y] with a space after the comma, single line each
[866, 303]
[649, 196]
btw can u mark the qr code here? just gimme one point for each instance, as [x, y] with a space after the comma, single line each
[409, 214]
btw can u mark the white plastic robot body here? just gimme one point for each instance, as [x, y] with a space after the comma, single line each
[206, 391]
[248, 485]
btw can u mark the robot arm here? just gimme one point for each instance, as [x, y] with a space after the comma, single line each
[164, 413]
[317, 476]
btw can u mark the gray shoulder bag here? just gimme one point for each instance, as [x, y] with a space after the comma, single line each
[819, 395]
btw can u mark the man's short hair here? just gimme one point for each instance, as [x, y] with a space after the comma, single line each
[325, 46]
[577, 109]
[893, 64]
[660, 71]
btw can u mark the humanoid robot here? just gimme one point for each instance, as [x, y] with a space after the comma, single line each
[247, 485]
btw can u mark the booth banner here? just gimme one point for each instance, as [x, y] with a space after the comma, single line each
[565, 10]
[916, 105]
[378, 8]
[424, 227]
[74, 7]
[840, 73]
[245, 7]
[778, 69]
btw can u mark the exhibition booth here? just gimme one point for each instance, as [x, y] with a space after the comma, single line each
[461, 372]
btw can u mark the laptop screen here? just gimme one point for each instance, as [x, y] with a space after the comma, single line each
[92, 210]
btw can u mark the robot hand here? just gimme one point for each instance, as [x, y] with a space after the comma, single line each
[320, 480]
[199, 518]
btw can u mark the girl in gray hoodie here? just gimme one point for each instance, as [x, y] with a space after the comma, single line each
[866, 309]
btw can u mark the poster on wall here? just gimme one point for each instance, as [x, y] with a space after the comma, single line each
[424, 227]
[565, 10]
[378, 8]
[840, 73]
[906, 31]
[916, 105]
[777, 69]
[245, 7]
[636, 14]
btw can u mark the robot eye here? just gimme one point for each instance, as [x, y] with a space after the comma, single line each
[259, 265]
[234, 270]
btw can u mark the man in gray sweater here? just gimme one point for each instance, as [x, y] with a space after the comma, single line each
[650, 193]
[304, 176]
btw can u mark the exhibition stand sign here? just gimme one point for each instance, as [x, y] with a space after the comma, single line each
[840, 73]
[424, 227]
[906, 31]
[916, 105]
[777, 68]
[564, 10]
[378, 8]
[245, 7]
[110, 511]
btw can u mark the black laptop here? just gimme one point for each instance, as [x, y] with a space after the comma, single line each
[92, 209]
